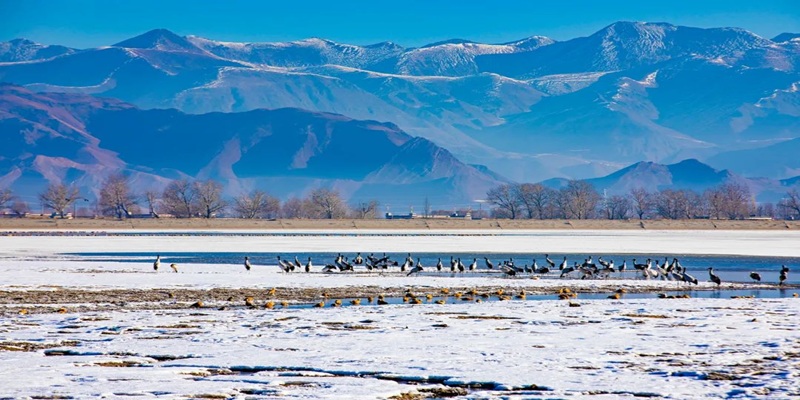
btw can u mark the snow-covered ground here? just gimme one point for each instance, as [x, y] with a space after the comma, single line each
[670, 348]
[677, 348]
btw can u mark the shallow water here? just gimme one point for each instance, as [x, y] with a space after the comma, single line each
[729, 268]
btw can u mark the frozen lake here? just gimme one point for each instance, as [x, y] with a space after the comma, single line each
[709, 346]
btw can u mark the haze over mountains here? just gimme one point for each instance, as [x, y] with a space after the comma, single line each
[81, 139]
[530, 110]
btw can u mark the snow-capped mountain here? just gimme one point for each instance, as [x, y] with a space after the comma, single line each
[25, 50]
[82, 139]
[626, 45]
[530, 109]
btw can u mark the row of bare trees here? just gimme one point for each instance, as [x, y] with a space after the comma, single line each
[579, 200]
[576, 200]
[194, 198]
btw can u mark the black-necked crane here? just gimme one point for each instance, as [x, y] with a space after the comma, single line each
[247, 265]
[755, 276]
[549, 261]
[417, 269]
[714, 277]
[157, 263]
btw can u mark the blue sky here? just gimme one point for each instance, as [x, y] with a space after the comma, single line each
[83, 23]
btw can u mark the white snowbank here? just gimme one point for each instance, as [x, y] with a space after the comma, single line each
[755, 243]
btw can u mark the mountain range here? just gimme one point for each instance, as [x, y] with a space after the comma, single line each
[530, 109]
[80, 139]
[689, 174]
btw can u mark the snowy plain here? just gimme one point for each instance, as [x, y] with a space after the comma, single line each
[661, 348]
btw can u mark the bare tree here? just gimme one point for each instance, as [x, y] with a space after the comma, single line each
[506, 199]
[579, 199]
[643, 202]
[20, 208]
[256, 204]
[766, 210]
[696, 206]
[293, 208]
[715, 199]
[671, 204]
[5, 197]
[180, 199]
[790, 205]
[209, 197]
[738, 200]
[534, 199]
[116, 197]
[326, 204]
[679, 204]
[618, 207]
[367, 209]
[59, 197]
[151, 198]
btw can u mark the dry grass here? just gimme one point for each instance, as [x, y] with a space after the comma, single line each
[645, 316]
[483, 317]
[34, 346]
[420, 224]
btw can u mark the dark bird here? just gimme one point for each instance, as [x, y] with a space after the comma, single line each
[308, 265]
[329, 268]
[285, 266]
[417, 269]
[563, 263]
[359, 260]
[247, 265]
[568, 270]
[549, 261]
[157, 263]
[474, 264]
[783, 276]
[452, 264]
[488, 262]
[174, 267]
[714, 278]
[755, 276]
[439, 265]
[460, 265]
[641, 267]
[508, 270]
[406, 265]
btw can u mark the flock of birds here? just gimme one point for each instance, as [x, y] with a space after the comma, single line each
[588, 269]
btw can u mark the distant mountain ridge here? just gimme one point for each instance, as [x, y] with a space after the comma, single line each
[688, 174]
[529, 109]
[82, 139]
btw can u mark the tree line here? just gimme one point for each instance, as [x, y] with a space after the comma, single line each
[185, 198]
[580, 200]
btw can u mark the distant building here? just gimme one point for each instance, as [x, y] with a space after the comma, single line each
[410, 215]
